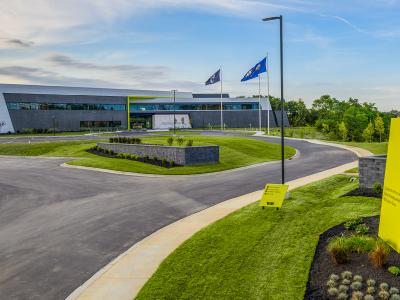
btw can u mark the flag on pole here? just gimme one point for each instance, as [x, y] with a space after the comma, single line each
[216, 77]
[259, 68]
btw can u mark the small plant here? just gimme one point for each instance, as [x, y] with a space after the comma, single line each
[379, 254]
[171, 163]
[170, 141]
[342, 296]
[333, 291]
[377, 188]
[371, 290]
[358, 278]
[347, 275]
[395, 270]
[346, 281]
[371, 282]
[393, 291]
[352, 223]
[146, 158]
[180, 140]
[395, 297]
[164, 163]
[357, 295]
[356, 286]
[338, 250]
[138, 141]
[334, 277]
[384, 286]
[331, 283]
[343, 288]
[369, 297]
[384, 295]
[362, 229]
[189, 143]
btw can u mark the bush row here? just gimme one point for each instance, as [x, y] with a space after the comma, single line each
[125, 140]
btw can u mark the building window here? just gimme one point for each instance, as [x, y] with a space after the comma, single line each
[143, 107]
[100, 124]
[64, 106]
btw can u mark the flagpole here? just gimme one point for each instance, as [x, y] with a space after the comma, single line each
[259, 102]
[222, 118]
[269, 110]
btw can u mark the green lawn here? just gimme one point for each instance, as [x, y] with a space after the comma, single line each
[299, 132]
[66, 133]
[375, 148]
[255, 253]
[352, 171]
[234, 152]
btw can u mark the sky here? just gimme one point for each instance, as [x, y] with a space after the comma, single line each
[345, 48]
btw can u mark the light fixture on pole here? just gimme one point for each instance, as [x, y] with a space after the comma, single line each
[280, 18]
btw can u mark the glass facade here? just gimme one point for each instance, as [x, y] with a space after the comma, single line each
[63, 106]
[135, 107]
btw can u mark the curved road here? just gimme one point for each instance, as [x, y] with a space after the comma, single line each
[59, 226]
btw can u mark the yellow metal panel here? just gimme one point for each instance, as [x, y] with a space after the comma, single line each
[389, 226]
[273, 195]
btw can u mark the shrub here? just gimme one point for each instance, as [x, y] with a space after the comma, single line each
[120, 155]
[338, 250]
[358, 278]
[333, 291]
[189, 143]
[356, 286]
[331, 283]
[138, 141]
[395, 270]
[377, 188]
[171, 163]
[342, 296]
[343, 288]
[146, 158]
[334, 277]
[369, 297]
[370, 290]
[371, 282]
[170, 141]
[393, 291]
[357, 295]
[346, 281]
[379, 254]
[164, 162]
[384, 286]
[395, 297]
[360, 243]
[352, 223]
[180, 140]
[347, 275]
[384, 295]
[362, 229]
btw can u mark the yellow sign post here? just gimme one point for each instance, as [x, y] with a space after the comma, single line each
[389, 225]
[273, 195]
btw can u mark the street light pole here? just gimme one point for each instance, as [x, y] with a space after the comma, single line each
[280, 18]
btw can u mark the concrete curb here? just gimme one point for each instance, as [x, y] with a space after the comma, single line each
[125, 276]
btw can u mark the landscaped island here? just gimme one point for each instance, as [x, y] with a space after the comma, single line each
[234, 152]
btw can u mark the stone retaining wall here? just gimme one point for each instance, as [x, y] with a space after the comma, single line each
[372, 170]
[183, 156]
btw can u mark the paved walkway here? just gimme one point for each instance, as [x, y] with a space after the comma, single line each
[123, 278]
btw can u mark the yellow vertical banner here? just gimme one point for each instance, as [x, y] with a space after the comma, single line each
[389, 225]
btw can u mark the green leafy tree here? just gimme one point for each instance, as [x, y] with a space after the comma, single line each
[343, 130]
[379, 127]
[356, 121]
[368, 132]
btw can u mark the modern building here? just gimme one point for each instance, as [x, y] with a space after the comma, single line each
[34, 107]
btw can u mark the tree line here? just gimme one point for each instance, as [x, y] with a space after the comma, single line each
[347, 120]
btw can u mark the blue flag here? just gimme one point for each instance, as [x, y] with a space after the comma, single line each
[259, 68]
[214, 78]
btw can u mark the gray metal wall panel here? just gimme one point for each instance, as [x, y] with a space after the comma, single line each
[41, 98]
[66, 120]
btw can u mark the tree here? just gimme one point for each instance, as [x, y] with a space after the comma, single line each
[356, 121]
[368, 132]
[379, 127]
[343, 131]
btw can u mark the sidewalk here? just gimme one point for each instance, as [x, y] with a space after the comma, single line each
[123, 278]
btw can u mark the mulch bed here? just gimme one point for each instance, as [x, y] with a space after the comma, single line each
[141, 159]
[364, 193]
[323, 266]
